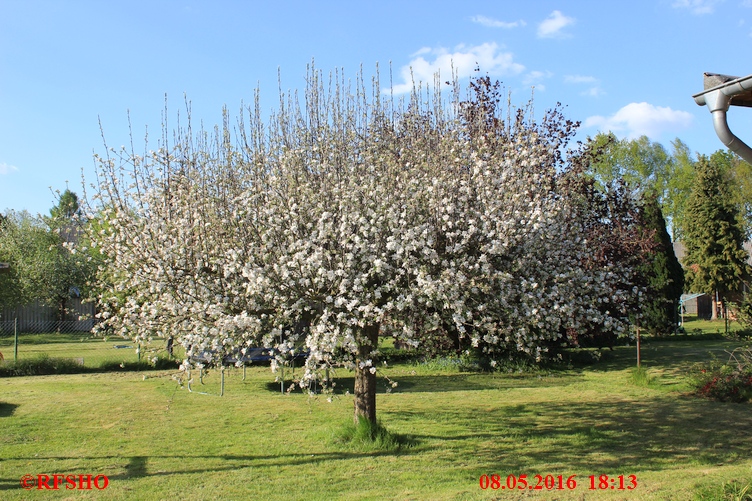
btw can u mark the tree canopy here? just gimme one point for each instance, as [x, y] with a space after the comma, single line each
[647, 166]
[45, 265]
[350, 214]
[715, 260]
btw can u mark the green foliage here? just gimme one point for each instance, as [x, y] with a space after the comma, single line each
[715, 259]
[678, 186]
[45, 256]
[66, 210]
[158, 364]
[647, 166]
[662, 272]
[743, 311]
[35, 259]
[41, 365]
[639, 162]
[739, 175]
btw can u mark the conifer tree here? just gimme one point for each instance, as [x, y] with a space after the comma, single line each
[663, 274]
[715, 261]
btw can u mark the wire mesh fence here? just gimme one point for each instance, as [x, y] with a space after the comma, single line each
[9, 327]
[71, 340]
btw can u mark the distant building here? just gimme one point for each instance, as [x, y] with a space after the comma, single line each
[697, 304]
[701, 304]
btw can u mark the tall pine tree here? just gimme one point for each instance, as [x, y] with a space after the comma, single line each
[715, 261]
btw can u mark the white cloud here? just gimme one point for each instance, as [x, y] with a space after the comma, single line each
[642, 119]
[576, 79]
[494, 23]
[697, 7]
[593, 92]
[488, 57]
[7, 169]
[535, 78]
[595, 89]
[552, 26]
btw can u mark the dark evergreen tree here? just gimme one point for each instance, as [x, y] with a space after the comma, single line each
[63, 214]
[663, 275]
[715, 261]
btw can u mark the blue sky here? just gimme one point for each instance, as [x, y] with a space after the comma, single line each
[630, 67]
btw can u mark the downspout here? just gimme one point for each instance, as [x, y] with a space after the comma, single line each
[718, 98]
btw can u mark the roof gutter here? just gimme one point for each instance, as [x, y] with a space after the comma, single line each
[721, 92]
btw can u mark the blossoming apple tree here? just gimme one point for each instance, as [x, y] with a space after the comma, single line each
[314, 228]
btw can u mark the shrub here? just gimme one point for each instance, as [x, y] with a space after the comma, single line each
[45, 365]
[729, 382]
[41, 365]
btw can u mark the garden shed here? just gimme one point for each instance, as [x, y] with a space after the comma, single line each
[697, 304]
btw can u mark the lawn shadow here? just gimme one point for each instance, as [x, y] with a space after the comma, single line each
[7, 410]
[447, 382]
[610, 434]
[669, 353]
[138, 466]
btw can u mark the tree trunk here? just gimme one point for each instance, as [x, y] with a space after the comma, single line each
[61, 313]
[714, 304]
[365, 382]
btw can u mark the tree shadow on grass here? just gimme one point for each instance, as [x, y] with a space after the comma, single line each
[138, 466]
[610, 434]
[447, 382]
[663, 353]
[6, 409]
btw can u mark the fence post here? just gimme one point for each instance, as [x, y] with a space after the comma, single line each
[15, 340]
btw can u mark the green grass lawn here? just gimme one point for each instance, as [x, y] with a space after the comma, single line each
[694, 325]
[155, 440]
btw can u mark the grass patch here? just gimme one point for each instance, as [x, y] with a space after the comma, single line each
[695, 327]
[365, 436]
[639, 376]
[728, 491]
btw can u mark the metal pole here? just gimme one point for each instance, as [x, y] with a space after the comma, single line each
[282, 383]
[15, 342]
[638, 341]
